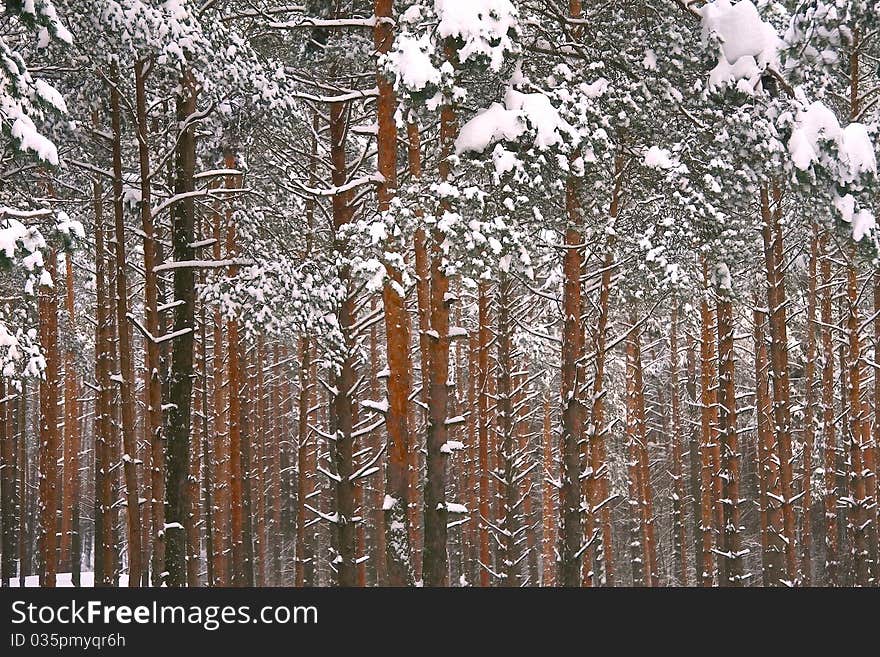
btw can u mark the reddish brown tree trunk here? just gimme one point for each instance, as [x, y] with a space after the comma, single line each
[49, 443]
[153, 420]
[730, 456]
[70, 534]
[773, 255]
[302, 464]
[708, 422]
[550, 474]
[829, 437]
[396, 520]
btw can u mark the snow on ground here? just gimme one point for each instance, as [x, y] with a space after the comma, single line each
[64, 580]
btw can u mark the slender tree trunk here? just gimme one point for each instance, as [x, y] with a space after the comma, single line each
[7, 484]
[103, 362]
[829, 437]
[274, 446]
[809, 414]
[70, 484]
[483, 339]
[773, 255]
[570, 526]
[509, 548]
[221, 453]
[679, 537]
[767, 467]
[646, 489]
[598, 426]
[695, 460]
[550, 475]
[708, 417]
[302, 464]
[24, 561]
[730, 456]
[634, 473]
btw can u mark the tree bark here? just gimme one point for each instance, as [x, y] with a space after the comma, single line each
[177, 452]
[679, 536]
[730, 456]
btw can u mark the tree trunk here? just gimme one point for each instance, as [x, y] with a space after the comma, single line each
[154, 417]
[396, 518]
[679, 538]
[302, 465]
[126, 364]
[345, 380]
[7, 485]
[829, 437]
[434, 557]
[773, 255]
[49, 382]
[730, 456]
[508, 523]
[180, 390]
[708, 417]
[809, 414]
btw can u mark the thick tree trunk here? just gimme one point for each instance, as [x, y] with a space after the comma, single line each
[153, 419]
[126, 364]
[434, 557]
[396, 519]
[344, 378]
[49, 443]
[177, 452]
[858, 519]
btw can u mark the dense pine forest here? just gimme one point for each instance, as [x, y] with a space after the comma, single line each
[439, 293]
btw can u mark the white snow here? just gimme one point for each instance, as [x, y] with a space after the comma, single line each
[748, 44]
[658, 158]
[817, 124]
[484, 26]
[65, 580]
[521, 112]
[411, 59]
